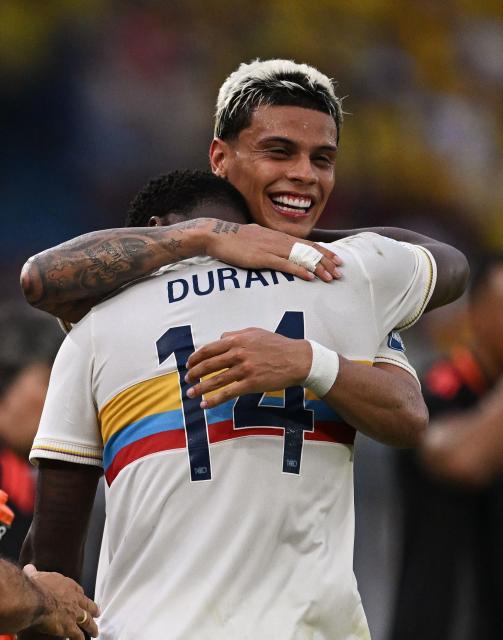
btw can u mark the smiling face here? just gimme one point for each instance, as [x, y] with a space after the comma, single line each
[283, 164]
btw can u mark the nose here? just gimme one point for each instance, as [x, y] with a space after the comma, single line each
[301, 170]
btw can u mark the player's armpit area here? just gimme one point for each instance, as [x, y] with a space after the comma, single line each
[64, 499]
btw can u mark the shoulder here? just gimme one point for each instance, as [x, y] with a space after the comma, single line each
[379, 257]
[375, 244]
[370, 246]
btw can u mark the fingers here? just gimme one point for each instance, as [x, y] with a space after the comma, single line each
[287, 266]
[228, 334]
[328, 254]
[30, 570]
[89, 625]
[326, 269]
[211, 384]
[323, 273]
[210, 350]
[209, 366]
[76, 634]
[230, 392]
[91, 607]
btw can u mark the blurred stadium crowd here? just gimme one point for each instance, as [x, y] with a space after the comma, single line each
[98, 95]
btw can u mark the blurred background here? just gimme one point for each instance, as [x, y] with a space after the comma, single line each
[97, 96]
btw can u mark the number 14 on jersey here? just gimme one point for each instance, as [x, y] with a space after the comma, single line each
[293, 417]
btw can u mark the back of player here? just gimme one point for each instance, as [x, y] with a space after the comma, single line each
[218, 520]
[236, 522]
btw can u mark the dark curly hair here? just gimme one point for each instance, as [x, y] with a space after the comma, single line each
[180, 192]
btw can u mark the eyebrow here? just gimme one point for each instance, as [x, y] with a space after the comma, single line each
[278, 139]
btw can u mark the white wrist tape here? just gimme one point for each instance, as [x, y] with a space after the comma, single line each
[324, 370]
[305, 256]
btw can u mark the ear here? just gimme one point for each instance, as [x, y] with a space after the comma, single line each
[219, 153]
[155, 221]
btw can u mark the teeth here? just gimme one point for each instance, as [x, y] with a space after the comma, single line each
[294, 202]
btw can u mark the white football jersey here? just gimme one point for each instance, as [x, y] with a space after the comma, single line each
[234, 523]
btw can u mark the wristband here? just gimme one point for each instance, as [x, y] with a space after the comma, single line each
[324, 370]
[305, 256]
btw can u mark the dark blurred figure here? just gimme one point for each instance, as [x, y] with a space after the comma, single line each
[451, 581]
[467, 448]
[29, 341]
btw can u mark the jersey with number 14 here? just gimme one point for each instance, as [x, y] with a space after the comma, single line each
[235, 522]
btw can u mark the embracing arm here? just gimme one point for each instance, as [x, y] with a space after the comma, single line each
[67, 280]
[452, 266]
[396, 417]
[383, 401]
[55, 541]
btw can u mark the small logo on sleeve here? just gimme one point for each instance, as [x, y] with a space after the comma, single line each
[395, 341]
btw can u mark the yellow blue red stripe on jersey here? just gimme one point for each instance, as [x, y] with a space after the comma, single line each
[147, 418]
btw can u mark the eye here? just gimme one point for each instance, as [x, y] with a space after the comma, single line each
[279, 151]
[324, 161]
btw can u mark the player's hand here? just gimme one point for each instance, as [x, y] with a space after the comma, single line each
[251, 246]
[248, 361]
[66, 606]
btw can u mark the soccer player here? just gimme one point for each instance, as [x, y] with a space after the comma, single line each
[276, 137]
[46, 602]
[234, 522]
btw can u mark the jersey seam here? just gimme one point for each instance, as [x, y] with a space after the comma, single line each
[428, 288]
[397, 363]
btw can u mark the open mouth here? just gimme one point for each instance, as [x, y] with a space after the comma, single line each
[291, 206]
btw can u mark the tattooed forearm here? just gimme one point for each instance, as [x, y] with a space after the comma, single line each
[197, 223]
[90, 267]
[111, 258]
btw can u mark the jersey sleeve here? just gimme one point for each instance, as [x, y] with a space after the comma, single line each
[68, 427]
[401, 276]
[392, 351]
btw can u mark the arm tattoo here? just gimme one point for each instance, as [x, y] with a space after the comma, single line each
[90, 267]
[189, 224]
[225, 227]
[111, 258]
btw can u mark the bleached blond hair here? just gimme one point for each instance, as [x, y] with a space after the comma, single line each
[272, 82]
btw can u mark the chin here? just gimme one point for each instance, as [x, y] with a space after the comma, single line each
[297, 229]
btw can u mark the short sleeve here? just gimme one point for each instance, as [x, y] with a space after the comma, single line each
[68, 427]
[392, 351]
[402, 278]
